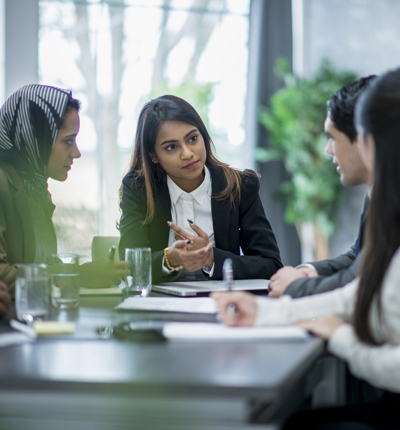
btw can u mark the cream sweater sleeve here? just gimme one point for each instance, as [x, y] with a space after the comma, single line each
[379, 365]
[287, 310]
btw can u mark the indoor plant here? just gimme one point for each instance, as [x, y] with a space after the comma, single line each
[295, 122]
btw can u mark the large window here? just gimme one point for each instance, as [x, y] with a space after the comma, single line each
[115, 55]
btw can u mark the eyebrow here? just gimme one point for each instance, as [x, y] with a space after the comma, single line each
[328, 134]
[175, 140]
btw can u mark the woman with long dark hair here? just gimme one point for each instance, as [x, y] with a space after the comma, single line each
[362, 319]
[38, 128]
[179, 199]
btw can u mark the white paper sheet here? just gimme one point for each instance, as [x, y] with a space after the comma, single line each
[196, 305]
[13, 338]
[219, 332]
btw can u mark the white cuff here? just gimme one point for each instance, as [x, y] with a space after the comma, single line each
[342, 341]
[308, 265]
[165, 269]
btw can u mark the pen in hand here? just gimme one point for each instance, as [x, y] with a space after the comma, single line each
[227, 271]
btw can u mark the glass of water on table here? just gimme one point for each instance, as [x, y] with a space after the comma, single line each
[139, 280]
[31, 292]
[65, 280]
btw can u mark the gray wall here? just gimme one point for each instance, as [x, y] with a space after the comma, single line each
[270, 38]
[360, 35]
[20, 44]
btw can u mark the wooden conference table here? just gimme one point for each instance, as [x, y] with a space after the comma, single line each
[89, 380]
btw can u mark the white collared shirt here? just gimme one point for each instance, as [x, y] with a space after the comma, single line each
[195, 206]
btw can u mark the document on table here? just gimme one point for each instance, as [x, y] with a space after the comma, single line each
[196, 305]
[13, 338]
[219, 332]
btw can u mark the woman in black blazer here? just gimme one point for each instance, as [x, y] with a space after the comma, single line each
[216, 210]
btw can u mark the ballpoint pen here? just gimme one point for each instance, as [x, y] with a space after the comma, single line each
[29, 331]
[227, 271]
[111, 253]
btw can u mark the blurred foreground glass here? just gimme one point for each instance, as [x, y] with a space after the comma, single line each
[139, 281]
[65, 282]
[31, 292]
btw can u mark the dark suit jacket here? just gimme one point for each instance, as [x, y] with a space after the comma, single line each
[17, 237]
[333, 273]
[245, 227]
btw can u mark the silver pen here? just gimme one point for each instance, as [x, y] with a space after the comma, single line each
[227, 273]
[29, 331]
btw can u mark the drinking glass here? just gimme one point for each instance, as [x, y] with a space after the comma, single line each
[65, 282]
[31, 292]
[139, 280]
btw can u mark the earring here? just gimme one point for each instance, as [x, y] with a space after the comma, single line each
[154, 161]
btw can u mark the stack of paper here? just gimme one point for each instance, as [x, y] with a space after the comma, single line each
[197, 305]
[219, 332]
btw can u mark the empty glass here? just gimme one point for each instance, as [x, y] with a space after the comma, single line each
[65, 282]
[139, 280]
[31, 292]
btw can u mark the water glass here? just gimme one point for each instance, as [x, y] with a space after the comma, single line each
[31, 292]
[65, 282]
[139, 280]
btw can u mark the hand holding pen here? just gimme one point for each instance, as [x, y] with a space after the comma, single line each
[179, 255]
[198, 242]
[245, 307]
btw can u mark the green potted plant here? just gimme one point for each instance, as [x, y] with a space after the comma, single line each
[295, 123]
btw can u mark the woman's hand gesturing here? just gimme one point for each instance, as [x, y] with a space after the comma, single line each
[197, 242]
[179, 255]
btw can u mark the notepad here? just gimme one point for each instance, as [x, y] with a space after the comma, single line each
[219, 332]
[113, 291]
[13, 338]
[53, 327]
[197, 305]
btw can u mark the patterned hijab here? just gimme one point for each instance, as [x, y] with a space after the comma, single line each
[29, 122]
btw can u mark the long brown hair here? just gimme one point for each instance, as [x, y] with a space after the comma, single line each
[152, 116]
[378, 114]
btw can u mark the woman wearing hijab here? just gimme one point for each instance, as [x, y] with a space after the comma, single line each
[5, 299]
[38, 128]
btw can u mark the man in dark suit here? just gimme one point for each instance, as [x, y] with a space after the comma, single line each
[326, 275]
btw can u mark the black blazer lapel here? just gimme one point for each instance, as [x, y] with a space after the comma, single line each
[221, 210]
[159, 229]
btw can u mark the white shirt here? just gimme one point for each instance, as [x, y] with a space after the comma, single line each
[379, 365]
[195, 206]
